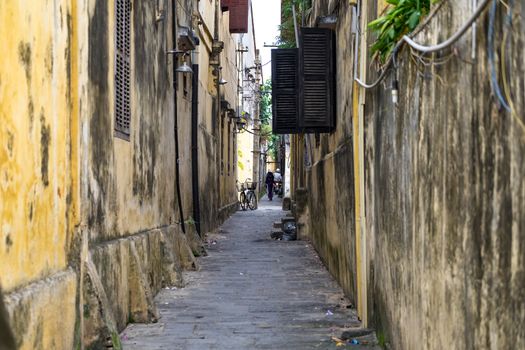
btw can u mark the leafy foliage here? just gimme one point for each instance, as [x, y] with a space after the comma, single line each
[402, 17]
[266, 119]
[286, 38]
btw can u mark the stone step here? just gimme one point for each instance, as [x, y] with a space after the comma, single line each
[287, 219]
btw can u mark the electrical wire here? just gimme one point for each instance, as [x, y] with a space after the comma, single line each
[426, 49]
[506, 87]
[455, 37]
[386, 67]
[253, 133]
[490, 48]
[270, 61]
[432, 62]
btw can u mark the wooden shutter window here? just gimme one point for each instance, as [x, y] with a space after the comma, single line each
[317, 72]
[122, 68]
[285, 91]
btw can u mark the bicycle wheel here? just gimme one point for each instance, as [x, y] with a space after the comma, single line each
[242, 201]
[252, 201]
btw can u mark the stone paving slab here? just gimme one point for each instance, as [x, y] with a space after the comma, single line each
[251, 293]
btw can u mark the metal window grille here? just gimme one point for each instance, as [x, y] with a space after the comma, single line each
[122, 68]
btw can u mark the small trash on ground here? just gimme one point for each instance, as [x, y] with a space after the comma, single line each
[338, 342]
[290, 231]
[289, 236]
[354, 342]
[276, 235]
[289, 227]
[329, 313]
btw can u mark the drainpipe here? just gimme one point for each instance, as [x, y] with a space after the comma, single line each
[194, 147]
[218, 103]
[175, 113]
[358, 104]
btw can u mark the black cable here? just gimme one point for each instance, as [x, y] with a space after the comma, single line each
[490, 48]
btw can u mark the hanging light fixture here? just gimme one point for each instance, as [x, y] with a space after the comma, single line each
[184, 68]
[240, 123]
[223, 82]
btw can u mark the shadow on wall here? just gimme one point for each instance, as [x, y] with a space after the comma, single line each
[7, 341]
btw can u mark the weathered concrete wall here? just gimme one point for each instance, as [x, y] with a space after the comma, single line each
[7, 339]
[90, 222]
[445, 190]
[216, 181]
[37, 208]
[38, 170]
[131, 208]
[330, 178]
[230, 59]
[130, 184]
[244, 156]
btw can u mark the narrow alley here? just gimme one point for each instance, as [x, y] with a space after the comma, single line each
[391, 134]
[251, 292]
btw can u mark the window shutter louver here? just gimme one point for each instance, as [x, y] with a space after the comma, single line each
[239, 12]
[317, 74]
[285, 91]
[122, 68]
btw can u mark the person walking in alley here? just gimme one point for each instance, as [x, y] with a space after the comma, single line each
[269, 184]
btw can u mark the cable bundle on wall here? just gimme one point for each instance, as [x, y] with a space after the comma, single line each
[426, 49]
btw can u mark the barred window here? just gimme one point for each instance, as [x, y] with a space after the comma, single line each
[122, 68]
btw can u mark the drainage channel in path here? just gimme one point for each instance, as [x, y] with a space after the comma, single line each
[252, 292]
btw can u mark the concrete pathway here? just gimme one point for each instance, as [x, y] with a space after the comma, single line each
[251, 293]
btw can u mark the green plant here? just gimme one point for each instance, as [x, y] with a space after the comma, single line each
[381, 338]
[266, 119]
[190, 221]
[117, 345]
[402, 17]
[286, 38]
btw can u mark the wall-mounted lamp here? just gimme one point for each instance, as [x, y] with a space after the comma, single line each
[240, 123]
[160, 13]
[184, 68]
[218, 73]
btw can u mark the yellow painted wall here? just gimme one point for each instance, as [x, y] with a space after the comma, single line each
[37, 160]
[244, 156]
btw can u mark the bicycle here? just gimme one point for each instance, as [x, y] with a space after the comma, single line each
[247, 196]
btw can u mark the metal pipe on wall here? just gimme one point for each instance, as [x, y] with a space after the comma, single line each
[195, 147]
[175, 114]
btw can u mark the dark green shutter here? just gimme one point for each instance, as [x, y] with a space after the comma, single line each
[285, 91]
[317, 74]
